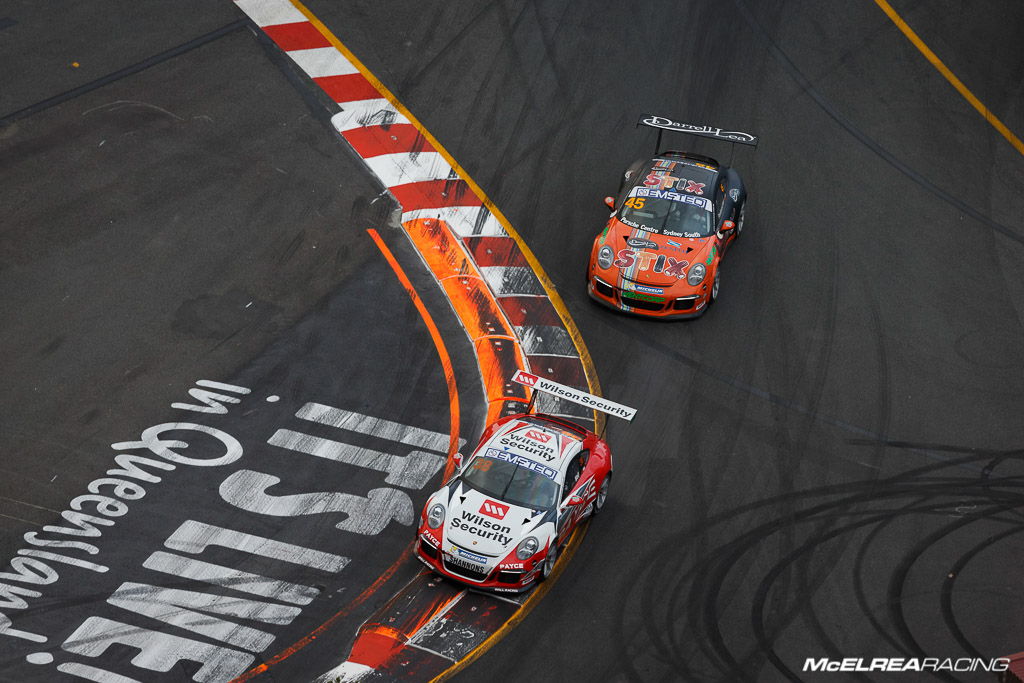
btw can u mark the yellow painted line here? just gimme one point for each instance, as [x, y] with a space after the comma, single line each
[950, 76]
[588, 364]
[549, 287]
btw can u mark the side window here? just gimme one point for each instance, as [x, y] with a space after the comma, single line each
[573, 472]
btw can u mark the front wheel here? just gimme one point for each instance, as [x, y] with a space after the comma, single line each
[716, 285]
[549, 562]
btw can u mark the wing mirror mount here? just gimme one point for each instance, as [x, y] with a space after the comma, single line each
[610, 202]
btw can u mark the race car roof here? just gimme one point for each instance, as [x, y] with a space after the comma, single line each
[677, 167]
[544, 441]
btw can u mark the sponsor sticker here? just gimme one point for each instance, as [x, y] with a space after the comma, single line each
[703, 131]
[465, 554]
[575, 395]
[649, 290]
[538, 435]
[702, 202]
[464, 564]
[493, 508]
[638, 243]
[643, 297]
[521, 461]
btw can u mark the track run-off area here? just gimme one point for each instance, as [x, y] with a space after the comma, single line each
[267, 266]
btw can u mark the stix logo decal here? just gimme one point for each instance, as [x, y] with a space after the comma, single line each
[659, 263]
[661, 180]
[494, 509]
[537, 435]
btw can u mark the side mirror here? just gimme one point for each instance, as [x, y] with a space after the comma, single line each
[458, 460]
[574, 501]
[610, 202]
[727, 226]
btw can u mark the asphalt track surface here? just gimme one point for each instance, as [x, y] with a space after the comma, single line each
[827, 464]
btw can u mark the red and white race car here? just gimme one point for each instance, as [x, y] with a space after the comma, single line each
[499, 523]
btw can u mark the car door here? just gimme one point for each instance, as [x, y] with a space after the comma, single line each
[579, 481]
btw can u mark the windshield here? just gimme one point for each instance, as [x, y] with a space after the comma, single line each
[513, 479]
[664, 212]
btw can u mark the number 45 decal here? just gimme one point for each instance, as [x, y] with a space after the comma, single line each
[636, 202]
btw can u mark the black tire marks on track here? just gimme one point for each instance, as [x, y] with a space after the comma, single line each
[849, 126]
[122, 73]
[836, 515]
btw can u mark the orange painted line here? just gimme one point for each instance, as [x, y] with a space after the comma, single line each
[315, 633]
[497, 348]
[442, 351]
[950, 76]
[453, 444]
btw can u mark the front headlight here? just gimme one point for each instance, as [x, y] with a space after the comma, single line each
[605, 256]
[527, 548]
[435, 516]
[696, 274]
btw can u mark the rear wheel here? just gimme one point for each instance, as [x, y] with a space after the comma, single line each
[739, 219]
[602, 494]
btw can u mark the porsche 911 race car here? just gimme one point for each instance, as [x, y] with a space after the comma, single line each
[676, 216]
[500, 522]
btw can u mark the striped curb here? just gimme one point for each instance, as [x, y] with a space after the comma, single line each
[506, 309]
[496, 287]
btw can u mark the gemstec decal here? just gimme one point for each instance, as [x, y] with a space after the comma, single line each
[521, 461]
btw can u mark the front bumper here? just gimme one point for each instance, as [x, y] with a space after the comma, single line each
[496, 579]
[611, 296]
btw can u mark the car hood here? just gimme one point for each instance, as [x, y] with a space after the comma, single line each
[486, 525]
[659, 261]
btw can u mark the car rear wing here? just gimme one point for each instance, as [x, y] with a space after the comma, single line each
[538, 383]
[663, 124]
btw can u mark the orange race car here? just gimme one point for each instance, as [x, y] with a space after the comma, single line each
[674, 219]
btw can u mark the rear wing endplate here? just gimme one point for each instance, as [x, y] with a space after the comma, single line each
[538, 383]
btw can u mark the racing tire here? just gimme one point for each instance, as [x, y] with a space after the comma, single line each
[715, 285]
[602, 494]
[550, 560]
[739, 219]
